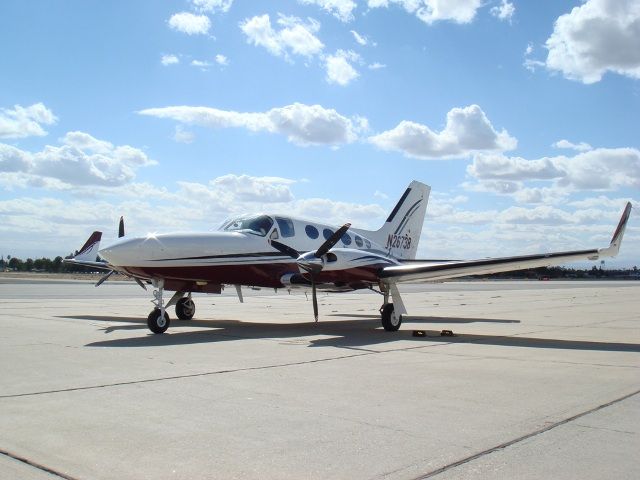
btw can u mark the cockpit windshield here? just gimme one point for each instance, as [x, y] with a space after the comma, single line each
[256, 224]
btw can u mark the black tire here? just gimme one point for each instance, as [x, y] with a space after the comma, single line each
[156, 323]
[185, 308]
[388, 318]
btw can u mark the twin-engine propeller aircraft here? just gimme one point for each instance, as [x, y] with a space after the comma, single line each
[279, 251]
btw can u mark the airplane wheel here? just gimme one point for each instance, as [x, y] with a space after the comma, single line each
[390, 320]
[156, 323]
[185, 308]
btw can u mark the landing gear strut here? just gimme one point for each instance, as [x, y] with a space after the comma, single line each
[158, 320]
[392, 315]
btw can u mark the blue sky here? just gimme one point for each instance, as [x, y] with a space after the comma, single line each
[524, 117]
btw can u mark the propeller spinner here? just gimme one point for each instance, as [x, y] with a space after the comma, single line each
[312, 262]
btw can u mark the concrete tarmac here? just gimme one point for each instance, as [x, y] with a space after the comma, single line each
[542, 380]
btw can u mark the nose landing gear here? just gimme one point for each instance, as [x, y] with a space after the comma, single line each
[158, 320]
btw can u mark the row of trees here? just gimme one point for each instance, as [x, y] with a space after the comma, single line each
[563, 272]
[40, 265]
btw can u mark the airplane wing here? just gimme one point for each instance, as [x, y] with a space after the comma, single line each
[435, 271]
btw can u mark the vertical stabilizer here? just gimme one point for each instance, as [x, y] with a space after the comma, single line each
[400, 233]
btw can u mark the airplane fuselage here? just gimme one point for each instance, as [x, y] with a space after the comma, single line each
[245, 257]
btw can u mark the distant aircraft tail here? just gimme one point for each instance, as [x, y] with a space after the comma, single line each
[89, 251]
[400, 233]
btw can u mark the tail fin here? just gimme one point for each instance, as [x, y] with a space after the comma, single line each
[400, 234]
[89, 251]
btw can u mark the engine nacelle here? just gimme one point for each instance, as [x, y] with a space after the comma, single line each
[295, 280]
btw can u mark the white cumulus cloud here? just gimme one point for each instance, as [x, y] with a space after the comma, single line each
[580, 147]
[301, 124]
[341, 9]
[360, 39]
[201, 64]
[467, 130]
[295, 36]
[230, 189]
[169, 60]
[222, 60]
[339, 68]
[81, 160]
[596, 37]
[212, 5]
[504, 11]
[597, 169]
[430, 11]
[21, 122]
[183, 136]
[190, 23]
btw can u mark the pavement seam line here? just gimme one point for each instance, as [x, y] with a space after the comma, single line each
[509, 443]
[36, 465]
[218, 372]
[189, 375]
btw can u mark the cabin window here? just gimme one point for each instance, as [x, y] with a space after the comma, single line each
[367, 243]
[255, 224]
[312, 232]
[326, 233]
[346, 239]
[286, 227]
[358, 241]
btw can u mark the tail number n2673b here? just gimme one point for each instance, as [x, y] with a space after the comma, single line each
[399, 241]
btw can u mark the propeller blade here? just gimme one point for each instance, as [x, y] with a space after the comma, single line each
[139, 282]
[333, 239]
[286, 249]
[314, 297]
[104, 278]
[121, 227]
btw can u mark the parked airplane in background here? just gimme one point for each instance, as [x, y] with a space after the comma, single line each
[279, 251]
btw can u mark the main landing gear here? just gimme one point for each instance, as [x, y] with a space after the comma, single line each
[392, 314]
[391, 321]
[185, 308]
[158, 320]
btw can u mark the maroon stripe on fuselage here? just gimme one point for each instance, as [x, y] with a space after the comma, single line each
[259, 274]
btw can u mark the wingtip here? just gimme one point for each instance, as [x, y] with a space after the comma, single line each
[618, 234]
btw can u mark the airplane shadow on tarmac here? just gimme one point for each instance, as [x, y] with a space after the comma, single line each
[360, 333]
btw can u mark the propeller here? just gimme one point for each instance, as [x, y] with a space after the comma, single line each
[104, 278]
[121, 228]
[312, 262]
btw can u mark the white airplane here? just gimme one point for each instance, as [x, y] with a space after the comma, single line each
[279, 251]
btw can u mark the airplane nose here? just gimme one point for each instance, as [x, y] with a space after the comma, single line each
[123, 252]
